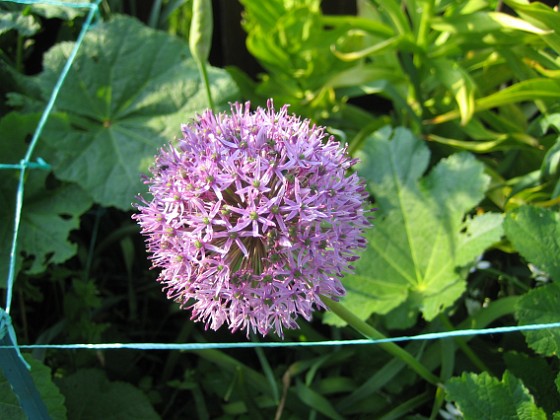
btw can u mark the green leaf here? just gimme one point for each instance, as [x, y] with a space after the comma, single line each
[459, 83]
[535, 233]
[527, 90]
[90, 395]
[128, 92]
[316, 401]
[50, 210]
[420, 236]
[50, 214]
[484, 22]
[25, 24]
[485, 397]
[50, 394]
[540, 15]
[538, 306]
[550, 169]
[538, 376]
[60, 12]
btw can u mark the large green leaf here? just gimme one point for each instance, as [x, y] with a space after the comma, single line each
[535, 233]
[127, 93]
[485, 397]
[50, 394]
[421, 235]
[50, 210]
[540, 306]
[90, 395]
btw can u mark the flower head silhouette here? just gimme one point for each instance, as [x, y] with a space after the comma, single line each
[252, 218]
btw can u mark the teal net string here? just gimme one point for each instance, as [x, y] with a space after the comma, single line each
[12, 364]
[252, 344]
[26, 161]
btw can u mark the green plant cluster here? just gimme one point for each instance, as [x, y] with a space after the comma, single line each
[452, 107]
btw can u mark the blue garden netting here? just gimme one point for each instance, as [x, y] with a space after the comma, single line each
[11, 361]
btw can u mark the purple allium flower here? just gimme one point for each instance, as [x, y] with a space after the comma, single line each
[253, 218]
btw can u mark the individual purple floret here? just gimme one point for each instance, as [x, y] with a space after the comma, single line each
[253, 218]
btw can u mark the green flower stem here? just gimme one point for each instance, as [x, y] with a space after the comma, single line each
[370, 332]
[204, 77]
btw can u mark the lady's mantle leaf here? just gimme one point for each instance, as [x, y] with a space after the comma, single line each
[538, 306]
[485, 397]
[535, 233]
[127, 93]
[421, 235]
[90, 395]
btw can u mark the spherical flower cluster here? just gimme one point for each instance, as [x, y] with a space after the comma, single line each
[253, 218]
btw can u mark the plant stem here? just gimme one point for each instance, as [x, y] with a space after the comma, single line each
[464, 346]
[370, 332]
[204, 76]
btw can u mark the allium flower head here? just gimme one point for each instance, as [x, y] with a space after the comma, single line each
[253, 218]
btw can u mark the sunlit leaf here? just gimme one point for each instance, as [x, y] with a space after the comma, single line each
[541, 15]
[484, 22]
[540, 306]
[51, 11]
[527, 90]
[535, 233]
[420, 235]
[459, 83]
[485, 397]
[24, 24]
